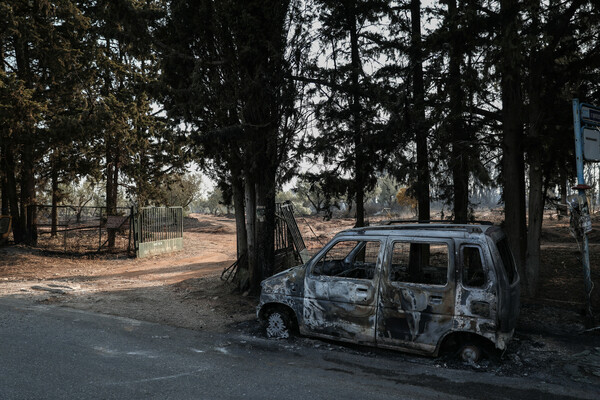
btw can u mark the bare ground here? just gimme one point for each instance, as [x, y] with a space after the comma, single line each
[181, 289]
[184, 289]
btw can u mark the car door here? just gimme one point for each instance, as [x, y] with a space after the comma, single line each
[340, 291]
[476, 286]
[417, 293]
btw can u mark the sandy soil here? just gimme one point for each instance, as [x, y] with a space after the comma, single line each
[184, 289]
[181, 289]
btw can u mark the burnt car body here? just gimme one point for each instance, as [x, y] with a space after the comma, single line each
[413, 287]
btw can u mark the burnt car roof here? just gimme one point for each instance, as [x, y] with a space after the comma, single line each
[453, 230]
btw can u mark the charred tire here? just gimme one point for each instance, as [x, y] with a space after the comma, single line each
[278, 324]
[470, 352]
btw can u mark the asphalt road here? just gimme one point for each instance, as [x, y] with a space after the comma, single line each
[49, 352]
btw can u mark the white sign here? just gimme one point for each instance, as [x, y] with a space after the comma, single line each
[591, 144]
[590, 114]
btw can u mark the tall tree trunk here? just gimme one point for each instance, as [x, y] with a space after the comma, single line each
[242, 280]
[265, 224]
[359, 162]
[418, 119]
[13, 199]
[250, 200]
[55, 195]
[537, 62]
[27, 223]
[3, 181]
[458, 133]
[28, 203]
[536, 196]
[3, 150]
[513, 168]
[112, 184]
[4, 189]
[563, 188]
[237, 186]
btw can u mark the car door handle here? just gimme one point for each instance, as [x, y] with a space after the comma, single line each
[362, 293]
[435, 299]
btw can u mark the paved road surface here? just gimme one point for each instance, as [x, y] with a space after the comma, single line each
[49, 352]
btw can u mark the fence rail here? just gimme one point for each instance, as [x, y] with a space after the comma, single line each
[82, 229]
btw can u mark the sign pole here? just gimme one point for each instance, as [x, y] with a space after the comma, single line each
[581, 186]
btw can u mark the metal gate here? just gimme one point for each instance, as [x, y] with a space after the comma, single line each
[158, 230]
[285, 213]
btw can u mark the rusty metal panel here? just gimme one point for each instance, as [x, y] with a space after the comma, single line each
[288, 215]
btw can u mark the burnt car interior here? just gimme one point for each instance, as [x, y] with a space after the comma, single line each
[349, 259]
[425, 263]
[472, 267]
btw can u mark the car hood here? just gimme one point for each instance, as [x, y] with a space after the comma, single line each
[290, 282]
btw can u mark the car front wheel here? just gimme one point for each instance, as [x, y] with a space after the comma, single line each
[278, 324]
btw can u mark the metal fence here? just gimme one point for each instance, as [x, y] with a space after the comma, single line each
[82, 229]
[158, 230]
[290, 249]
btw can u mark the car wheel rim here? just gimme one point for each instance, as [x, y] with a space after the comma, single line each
[470, 354]
[276, 327]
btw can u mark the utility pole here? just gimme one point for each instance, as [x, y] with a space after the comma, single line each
[586, 123]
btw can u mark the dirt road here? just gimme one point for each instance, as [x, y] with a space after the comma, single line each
[180, 289]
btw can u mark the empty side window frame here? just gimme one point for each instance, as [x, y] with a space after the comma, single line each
[507, 260]
[419, 262]
[473, 273]
[355, 259]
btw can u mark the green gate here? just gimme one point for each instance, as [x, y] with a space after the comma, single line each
[158, 230]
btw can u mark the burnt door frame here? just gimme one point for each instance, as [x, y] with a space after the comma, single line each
[476, 302]
[342, 308]
[415, 315]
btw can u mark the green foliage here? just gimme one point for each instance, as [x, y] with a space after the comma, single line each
[387, 187]
[125, 93]
[348, 110]
[298, 201]
[213, 203]
[83, 194]
[181, 190]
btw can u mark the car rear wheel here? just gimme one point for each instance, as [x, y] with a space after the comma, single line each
[470, 352]
[278, 324]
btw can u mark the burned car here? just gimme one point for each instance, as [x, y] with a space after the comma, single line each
[419, 288]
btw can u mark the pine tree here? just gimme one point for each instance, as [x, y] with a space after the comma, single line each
[39, 52]
[133, 143]
[224, 65]
[352, 139]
